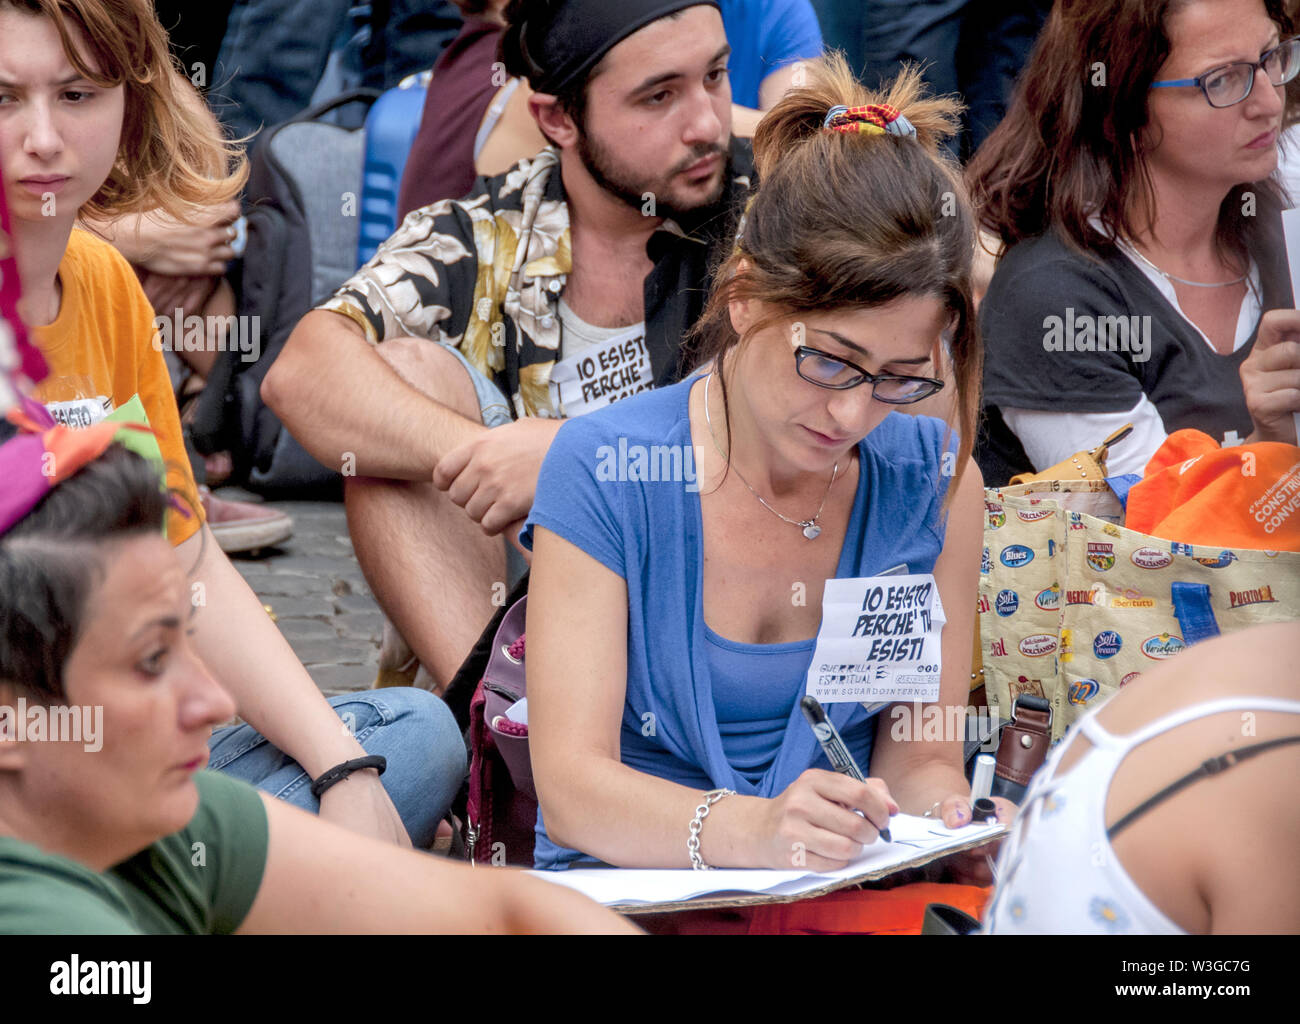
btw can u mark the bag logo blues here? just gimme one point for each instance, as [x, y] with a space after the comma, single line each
[1016, 555]
[1163, 646]
[1220, 561]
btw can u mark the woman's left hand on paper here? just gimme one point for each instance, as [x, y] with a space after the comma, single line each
[972, 867]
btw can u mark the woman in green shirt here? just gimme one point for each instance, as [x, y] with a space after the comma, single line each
[107, 821]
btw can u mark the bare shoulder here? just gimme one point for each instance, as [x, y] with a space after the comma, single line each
[514, 137]
[1185, 851]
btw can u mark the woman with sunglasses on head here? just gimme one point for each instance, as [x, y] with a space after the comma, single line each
[1132, 186]
[671, 623]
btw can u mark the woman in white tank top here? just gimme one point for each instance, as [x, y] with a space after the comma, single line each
[1173, 809]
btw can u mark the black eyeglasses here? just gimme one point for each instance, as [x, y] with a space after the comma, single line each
[1232, 83]
[827, 371]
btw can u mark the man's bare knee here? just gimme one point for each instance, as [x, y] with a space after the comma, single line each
[433, 371]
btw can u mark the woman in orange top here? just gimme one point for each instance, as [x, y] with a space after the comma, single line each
[95, 120]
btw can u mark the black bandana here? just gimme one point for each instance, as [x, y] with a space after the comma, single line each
[561, 52]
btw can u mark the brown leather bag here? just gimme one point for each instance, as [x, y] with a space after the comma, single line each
[1089, 465]
[1022, 747]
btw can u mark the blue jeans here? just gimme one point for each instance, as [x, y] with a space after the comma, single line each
[412, 728]
[976, 49]
[407, 36]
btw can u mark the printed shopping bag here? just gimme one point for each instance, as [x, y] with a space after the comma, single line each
[1072, 605]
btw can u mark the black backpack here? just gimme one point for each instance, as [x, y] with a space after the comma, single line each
[303, 206]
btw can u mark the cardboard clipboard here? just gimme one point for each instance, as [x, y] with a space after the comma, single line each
[724, 902]
[793, 886]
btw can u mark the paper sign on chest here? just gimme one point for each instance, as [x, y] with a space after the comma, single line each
[879, 640]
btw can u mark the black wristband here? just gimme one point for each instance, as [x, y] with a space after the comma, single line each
[341, 771]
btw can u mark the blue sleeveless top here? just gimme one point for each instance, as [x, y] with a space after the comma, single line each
[753, 685]
[620, 484]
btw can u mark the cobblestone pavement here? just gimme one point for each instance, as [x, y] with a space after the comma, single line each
[314, 585]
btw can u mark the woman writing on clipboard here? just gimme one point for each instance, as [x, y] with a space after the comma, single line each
[671, 622]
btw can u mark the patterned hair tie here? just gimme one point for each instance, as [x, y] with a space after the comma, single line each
[872, 119]
[833, 113]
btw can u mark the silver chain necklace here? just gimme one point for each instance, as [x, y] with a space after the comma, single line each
[810, 528]
[1182, 280]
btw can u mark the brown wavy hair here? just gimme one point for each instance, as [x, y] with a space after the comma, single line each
[853, 221]
[1068, 149]
[172, 156]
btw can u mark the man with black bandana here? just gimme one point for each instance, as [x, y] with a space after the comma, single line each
[549, 291]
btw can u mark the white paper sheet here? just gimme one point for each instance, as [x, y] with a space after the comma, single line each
[914, 838]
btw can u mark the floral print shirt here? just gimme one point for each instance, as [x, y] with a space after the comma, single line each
[484, 274]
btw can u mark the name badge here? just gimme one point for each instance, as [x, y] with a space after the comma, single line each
[879, 640]
[80, 412]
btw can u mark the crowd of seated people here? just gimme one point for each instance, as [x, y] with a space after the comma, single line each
[608, 209]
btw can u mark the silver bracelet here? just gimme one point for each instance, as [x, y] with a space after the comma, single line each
[697, 823]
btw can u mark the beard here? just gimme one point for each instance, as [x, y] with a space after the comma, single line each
[631, 186]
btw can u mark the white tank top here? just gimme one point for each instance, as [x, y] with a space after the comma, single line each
[1057, 873]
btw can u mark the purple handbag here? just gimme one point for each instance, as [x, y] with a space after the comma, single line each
[502, 805]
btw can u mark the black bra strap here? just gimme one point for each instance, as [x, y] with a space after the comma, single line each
[1211, 767]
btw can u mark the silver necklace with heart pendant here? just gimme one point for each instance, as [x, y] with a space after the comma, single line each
[810, 528]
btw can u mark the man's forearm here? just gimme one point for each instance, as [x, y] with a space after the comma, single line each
[352, 411]
[244, 651]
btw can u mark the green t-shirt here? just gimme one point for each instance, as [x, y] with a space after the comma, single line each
[201, 880]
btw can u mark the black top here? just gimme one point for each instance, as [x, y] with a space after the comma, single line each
[1066, 333]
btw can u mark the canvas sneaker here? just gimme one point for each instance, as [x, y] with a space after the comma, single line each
[242, 525]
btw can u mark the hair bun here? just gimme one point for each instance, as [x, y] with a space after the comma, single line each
[831, 98]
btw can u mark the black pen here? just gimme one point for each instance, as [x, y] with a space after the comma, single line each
[833, 746]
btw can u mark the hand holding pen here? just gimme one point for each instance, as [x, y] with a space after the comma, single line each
[834, 747]
[815, 825]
